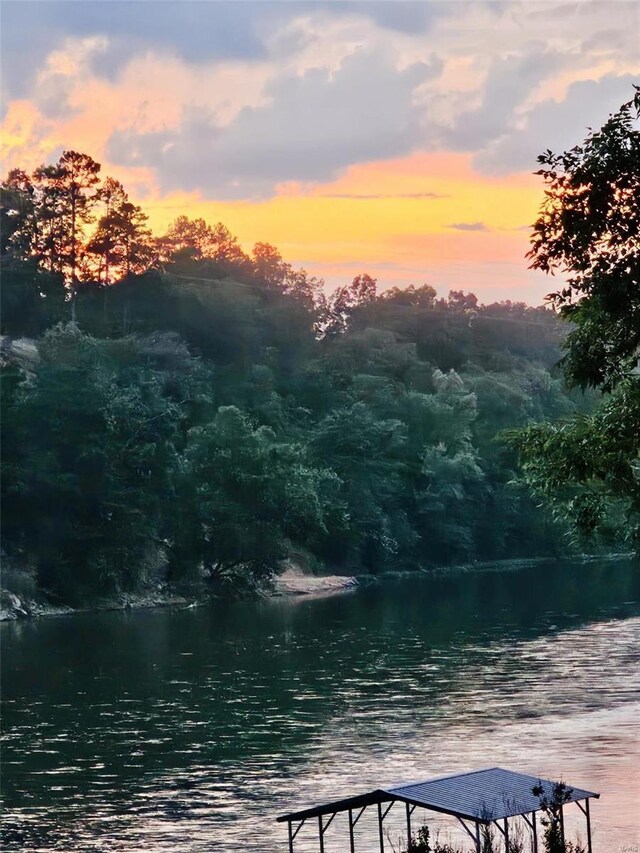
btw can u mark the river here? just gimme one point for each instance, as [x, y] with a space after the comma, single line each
[191, 730]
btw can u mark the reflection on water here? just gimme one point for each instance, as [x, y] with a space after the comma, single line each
[192, 730]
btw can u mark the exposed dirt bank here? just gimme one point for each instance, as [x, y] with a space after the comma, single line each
[291, 583]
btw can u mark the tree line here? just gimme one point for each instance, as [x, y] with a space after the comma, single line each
[196, 415]
[69, 221]
[587, 469]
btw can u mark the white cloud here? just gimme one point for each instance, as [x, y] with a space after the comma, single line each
[312, 125]
[239, 103]
[558, 125]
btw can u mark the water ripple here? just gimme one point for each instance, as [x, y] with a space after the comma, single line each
[193, 730]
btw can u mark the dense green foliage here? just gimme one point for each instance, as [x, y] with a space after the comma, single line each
[206, 414]
[589, 229]
[214, 430]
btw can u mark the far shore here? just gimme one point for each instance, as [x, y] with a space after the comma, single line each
[291, 584]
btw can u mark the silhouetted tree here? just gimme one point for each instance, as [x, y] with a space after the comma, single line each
[346, 301]
[589, 229]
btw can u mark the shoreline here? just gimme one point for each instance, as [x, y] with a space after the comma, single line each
[291, 585]
[16, 607]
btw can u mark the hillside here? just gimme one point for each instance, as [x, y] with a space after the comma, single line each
[199, 430]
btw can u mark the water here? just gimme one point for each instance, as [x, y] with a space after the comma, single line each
[191, 730]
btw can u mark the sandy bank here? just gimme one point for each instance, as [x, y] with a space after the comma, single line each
[291, 583]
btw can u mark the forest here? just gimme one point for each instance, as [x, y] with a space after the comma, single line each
[186, 413]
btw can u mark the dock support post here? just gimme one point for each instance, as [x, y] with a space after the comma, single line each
[408, 808]
[535, 832]
[380, 832]
[477, 837]
[352, 843]
[506, 835]
[290, 836]
[321, 833]
[473, 836]
[588, 815]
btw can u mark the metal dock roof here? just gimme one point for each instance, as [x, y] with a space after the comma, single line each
[482, 795]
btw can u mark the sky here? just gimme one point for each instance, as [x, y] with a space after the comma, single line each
[395, 138]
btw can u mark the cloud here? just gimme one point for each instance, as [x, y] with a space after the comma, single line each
[558, 125]
[509, 83]
[313, 125]
[194, 31]
[610, 40]
[59, 75]
[404, 16]
[468, 226]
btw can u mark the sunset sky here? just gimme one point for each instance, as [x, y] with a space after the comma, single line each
[395, 138]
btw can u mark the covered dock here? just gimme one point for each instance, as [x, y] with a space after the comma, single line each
[479, 798]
